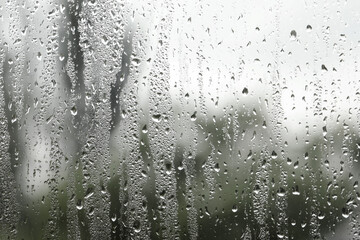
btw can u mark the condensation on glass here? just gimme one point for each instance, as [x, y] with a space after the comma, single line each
[179, 119]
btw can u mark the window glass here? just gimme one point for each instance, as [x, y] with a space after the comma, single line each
[166, 119]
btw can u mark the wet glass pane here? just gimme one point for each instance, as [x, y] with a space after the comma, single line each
[179, 119]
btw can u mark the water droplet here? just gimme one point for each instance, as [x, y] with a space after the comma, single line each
[181, 166]
[281, 192]
[136, 61]
[144, 129]
[73, 111]
[217, 167]
[234, 209]
[321, 216]
[39, 57]
[104, 40]
[324, 131]
[257, 189]
[193, 117]
[274, 155]
[89, 192]
[293, 222]
[168, 166]
[156, 117]
[345, 213]
[245, 91]
[79, 205]
[13, 118]
[136, 226]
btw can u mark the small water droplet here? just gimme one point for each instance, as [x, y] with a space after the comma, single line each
[48, 120]
[144, 129]
[123, 114]
[324, 131]
[273, 155]
[79, 205]
[13, 118]
[324, 68]
[89, 192]
[136, 61]
[193, 117]
[303, 224]
[73, 111]
[168, 166]
[234, 209]
[293, 222]
[156, 117]
[39, 56]
[104, 40]
[245, 91]
[281, 192]
[137, 226]
[217, 167]
[256, 189]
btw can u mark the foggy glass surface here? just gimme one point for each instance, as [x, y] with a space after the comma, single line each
[179, 119]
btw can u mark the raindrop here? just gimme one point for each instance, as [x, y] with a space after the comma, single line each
[281, 192]
[156, 118]
[245, 91]
[136, 61]
[234, 209]
[345, 213]
[144, 129]
[193, 116]
[104, 40]
[324, 131]
[73, 111]
[136, 226]
[217, 167]
[168, 166]
[39, 56]
[256, 189]
[79, 205]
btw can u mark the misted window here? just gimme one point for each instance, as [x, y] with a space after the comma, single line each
[164, 119]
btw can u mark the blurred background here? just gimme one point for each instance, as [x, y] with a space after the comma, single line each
[179, 119]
